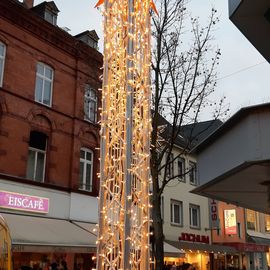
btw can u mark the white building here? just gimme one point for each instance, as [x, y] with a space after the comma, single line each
[186, 215]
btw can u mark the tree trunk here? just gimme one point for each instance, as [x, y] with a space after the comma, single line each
[158, 227]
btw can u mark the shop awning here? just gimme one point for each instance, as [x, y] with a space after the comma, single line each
[171, 251]
[186, 246]
[89, 227]
[38, 234]
[258, 238]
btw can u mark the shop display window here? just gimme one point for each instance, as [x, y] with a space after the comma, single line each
[53, 261]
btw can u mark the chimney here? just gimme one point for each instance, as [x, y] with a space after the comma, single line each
[28, 3]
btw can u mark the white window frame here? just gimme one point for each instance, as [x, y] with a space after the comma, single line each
[170, 167]
[88, 99]
[180, 204]
[85, 163]
[36, 151]
[191, 221]
[44, 78]
[183, 162]
[3, 58]
[193, 171]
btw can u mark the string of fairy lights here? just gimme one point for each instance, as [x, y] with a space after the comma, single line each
[123, 240]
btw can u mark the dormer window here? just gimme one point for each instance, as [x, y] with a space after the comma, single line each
[50, 17]
[90, 38]
[92, 43]
[47, 10]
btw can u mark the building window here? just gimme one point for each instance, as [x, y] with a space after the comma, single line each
[90, 104]
[267, 223]
[251, 220]
[193, 173]
[194, 216]
[86, 169]
[44, 84]
[181, 168]
[2, 62]
[239, 231]
[176, 212]
[50, 17]
[170, 167]
[92, 43]
[36, 156]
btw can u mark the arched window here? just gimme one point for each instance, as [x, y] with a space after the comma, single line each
[90, 104]
[44, 84]
[2, 61]
[36, 156]
[86, 169]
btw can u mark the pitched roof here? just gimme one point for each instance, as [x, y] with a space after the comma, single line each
[93, 34]
[51, 5]
[192, 134]
[199, 131]
[234, 120]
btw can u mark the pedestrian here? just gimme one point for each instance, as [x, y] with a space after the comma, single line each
[186, 266]
[54, 266]
[63, 265]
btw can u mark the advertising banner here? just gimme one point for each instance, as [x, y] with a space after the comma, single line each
[230, 221]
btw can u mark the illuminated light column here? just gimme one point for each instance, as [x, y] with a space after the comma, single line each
[123, 241]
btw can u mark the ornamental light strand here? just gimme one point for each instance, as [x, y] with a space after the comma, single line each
[123, 239]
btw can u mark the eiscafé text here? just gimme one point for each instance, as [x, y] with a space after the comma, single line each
[23, 202]
[26, 203]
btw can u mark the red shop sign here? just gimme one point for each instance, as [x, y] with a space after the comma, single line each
[248, 247]
[190, 237]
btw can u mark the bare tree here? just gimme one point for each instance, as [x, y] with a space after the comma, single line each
[184, 77]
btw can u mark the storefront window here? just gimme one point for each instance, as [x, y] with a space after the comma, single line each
[53, 260]
[191, 260]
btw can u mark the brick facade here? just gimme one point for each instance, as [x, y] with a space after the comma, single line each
[29, 40]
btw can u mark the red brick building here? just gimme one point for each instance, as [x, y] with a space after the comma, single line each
[49, 132]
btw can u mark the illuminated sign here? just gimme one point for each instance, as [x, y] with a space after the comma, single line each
[230, 221]
[190, 237]
[23, 202]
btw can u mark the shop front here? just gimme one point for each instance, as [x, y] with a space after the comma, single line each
[198, 253]
[40, 243]
[5, 246]
[172, 256]
[252, 256]
[42, 238]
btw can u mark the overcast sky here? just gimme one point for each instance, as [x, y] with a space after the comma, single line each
[243, 72]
